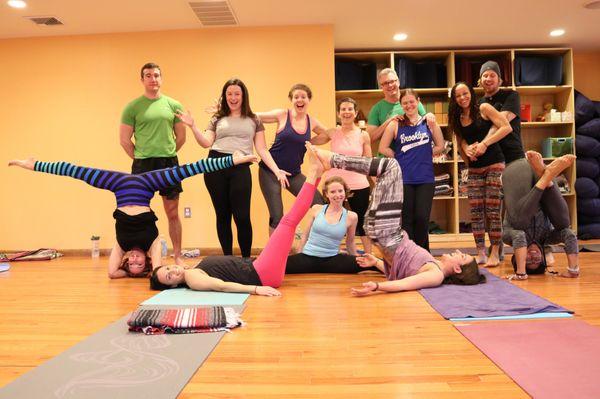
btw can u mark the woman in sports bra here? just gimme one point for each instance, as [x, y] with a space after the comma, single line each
[319, 251]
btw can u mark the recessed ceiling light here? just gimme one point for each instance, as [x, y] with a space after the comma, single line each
[592, 5]
[16, 3]
[557, 32]
[400, 36]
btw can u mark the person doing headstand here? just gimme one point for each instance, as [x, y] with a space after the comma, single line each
[137, 249]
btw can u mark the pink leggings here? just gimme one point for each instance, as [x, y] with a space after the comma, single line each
[270, 264]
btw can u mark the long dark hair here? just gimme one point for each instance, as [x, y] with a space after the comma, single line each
[454, 110]
[224, 107]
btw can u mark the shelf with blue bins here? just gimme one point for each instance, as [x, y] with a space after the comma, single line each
[561, 96]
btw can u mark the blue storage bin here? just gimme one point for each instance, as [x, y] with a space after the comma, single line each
[355, 75]
[539, 70]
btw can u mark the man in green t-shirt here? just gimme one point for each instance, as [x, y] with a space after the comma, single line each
[158, 134]
[384, 111]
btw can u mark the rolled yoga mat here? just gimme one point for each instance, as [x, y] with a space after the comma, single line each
[115, 363]
[495, 297]
[548, 359]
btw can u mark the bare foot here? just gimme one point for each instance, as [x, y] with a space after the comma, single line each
[493, 261]
[559, 164]
[550, 261]
[316, 165]
[28, 163]
[536, 162]
[323, 155]
[481, 258]
[570, 273]
[554, 169]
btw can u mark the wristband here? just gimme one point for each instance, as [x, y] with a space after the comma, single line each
[376, 287]
[255, 288]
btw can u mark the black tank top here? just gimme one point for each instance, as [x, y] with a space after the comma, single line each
[476, 132]
[230, 268]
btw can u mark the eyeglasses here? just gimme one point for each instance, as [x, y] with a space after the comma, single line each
[388, 82]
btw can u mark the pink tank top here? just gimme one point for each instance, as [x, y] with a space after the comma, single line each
[348, 144]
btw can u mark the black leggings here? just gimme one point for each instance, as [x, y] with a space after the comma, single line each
[416, 210]
[340, 263]
[230, 191]
[359, 203]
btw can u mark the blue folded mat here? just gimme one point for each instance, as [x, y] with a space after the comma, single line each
[556, 315]
[495, 297]
[185, 296]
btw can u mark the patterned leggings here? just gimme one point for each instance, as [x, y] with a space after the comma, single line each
[383, 219]
[485, 186]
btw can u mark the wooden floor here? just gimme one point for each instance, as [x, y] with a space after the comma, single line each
[314, 342]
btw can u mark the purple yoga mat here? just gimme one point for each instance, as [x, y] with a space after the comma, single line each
[548, 359]
[495, 297]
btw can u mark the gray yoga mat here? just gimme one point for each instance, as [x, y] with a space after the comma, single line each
[114, 363]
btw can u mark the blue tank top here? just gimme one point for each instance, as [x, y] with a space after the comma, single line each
[288, 149]
[324, 238]
[414, 153]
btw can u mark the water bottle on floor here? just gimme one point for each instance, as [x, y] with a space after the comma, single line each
[95, 246]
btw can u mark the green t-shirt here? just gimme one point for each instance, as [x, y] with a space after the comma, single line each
[152, 121]
[384, 109]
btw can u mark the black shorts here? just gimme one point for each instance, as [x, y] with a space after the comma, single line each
[135, 231]
[148, 164]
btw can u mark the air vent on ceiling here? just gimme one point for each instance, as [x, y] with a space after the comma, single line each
[214, 13]
[48, 21]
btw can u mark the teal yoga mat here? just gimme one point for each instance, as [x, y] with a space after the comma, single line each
[556, 315]
[185, 296]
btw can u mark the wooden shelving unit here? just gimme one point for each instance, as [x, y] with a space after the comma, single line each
[449, 211]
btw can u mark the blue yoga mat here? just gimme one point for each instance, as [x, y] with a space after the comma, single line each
[185, 296]
[556, 315]
[496, 297]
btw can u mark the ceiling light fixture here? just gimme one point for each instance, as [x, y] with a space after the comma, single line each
[400, 36]
[16, 3]
[557, 32]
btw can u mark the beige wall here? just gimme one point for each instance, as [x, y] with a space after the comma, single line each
[62, 99]
[586, 67]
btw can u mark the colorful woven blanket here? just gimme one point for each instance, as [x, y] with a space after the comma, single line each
[183, 321]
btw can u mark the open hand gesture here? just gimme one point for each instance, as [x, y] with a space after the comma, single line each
[239, 157]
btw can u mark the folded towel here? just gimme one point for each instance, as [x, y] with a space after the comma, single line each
[183, 321]
[442, 177]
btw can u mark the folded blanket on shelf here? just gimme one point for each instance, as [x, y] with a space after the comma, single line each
[443, 189]
[445, 177]
[183, 321]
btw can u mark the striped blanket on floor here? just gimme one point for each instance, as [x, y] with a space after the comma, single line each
[183, 321]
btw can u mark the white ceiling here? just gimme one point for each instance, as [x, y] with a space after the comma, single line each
[358, 24]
